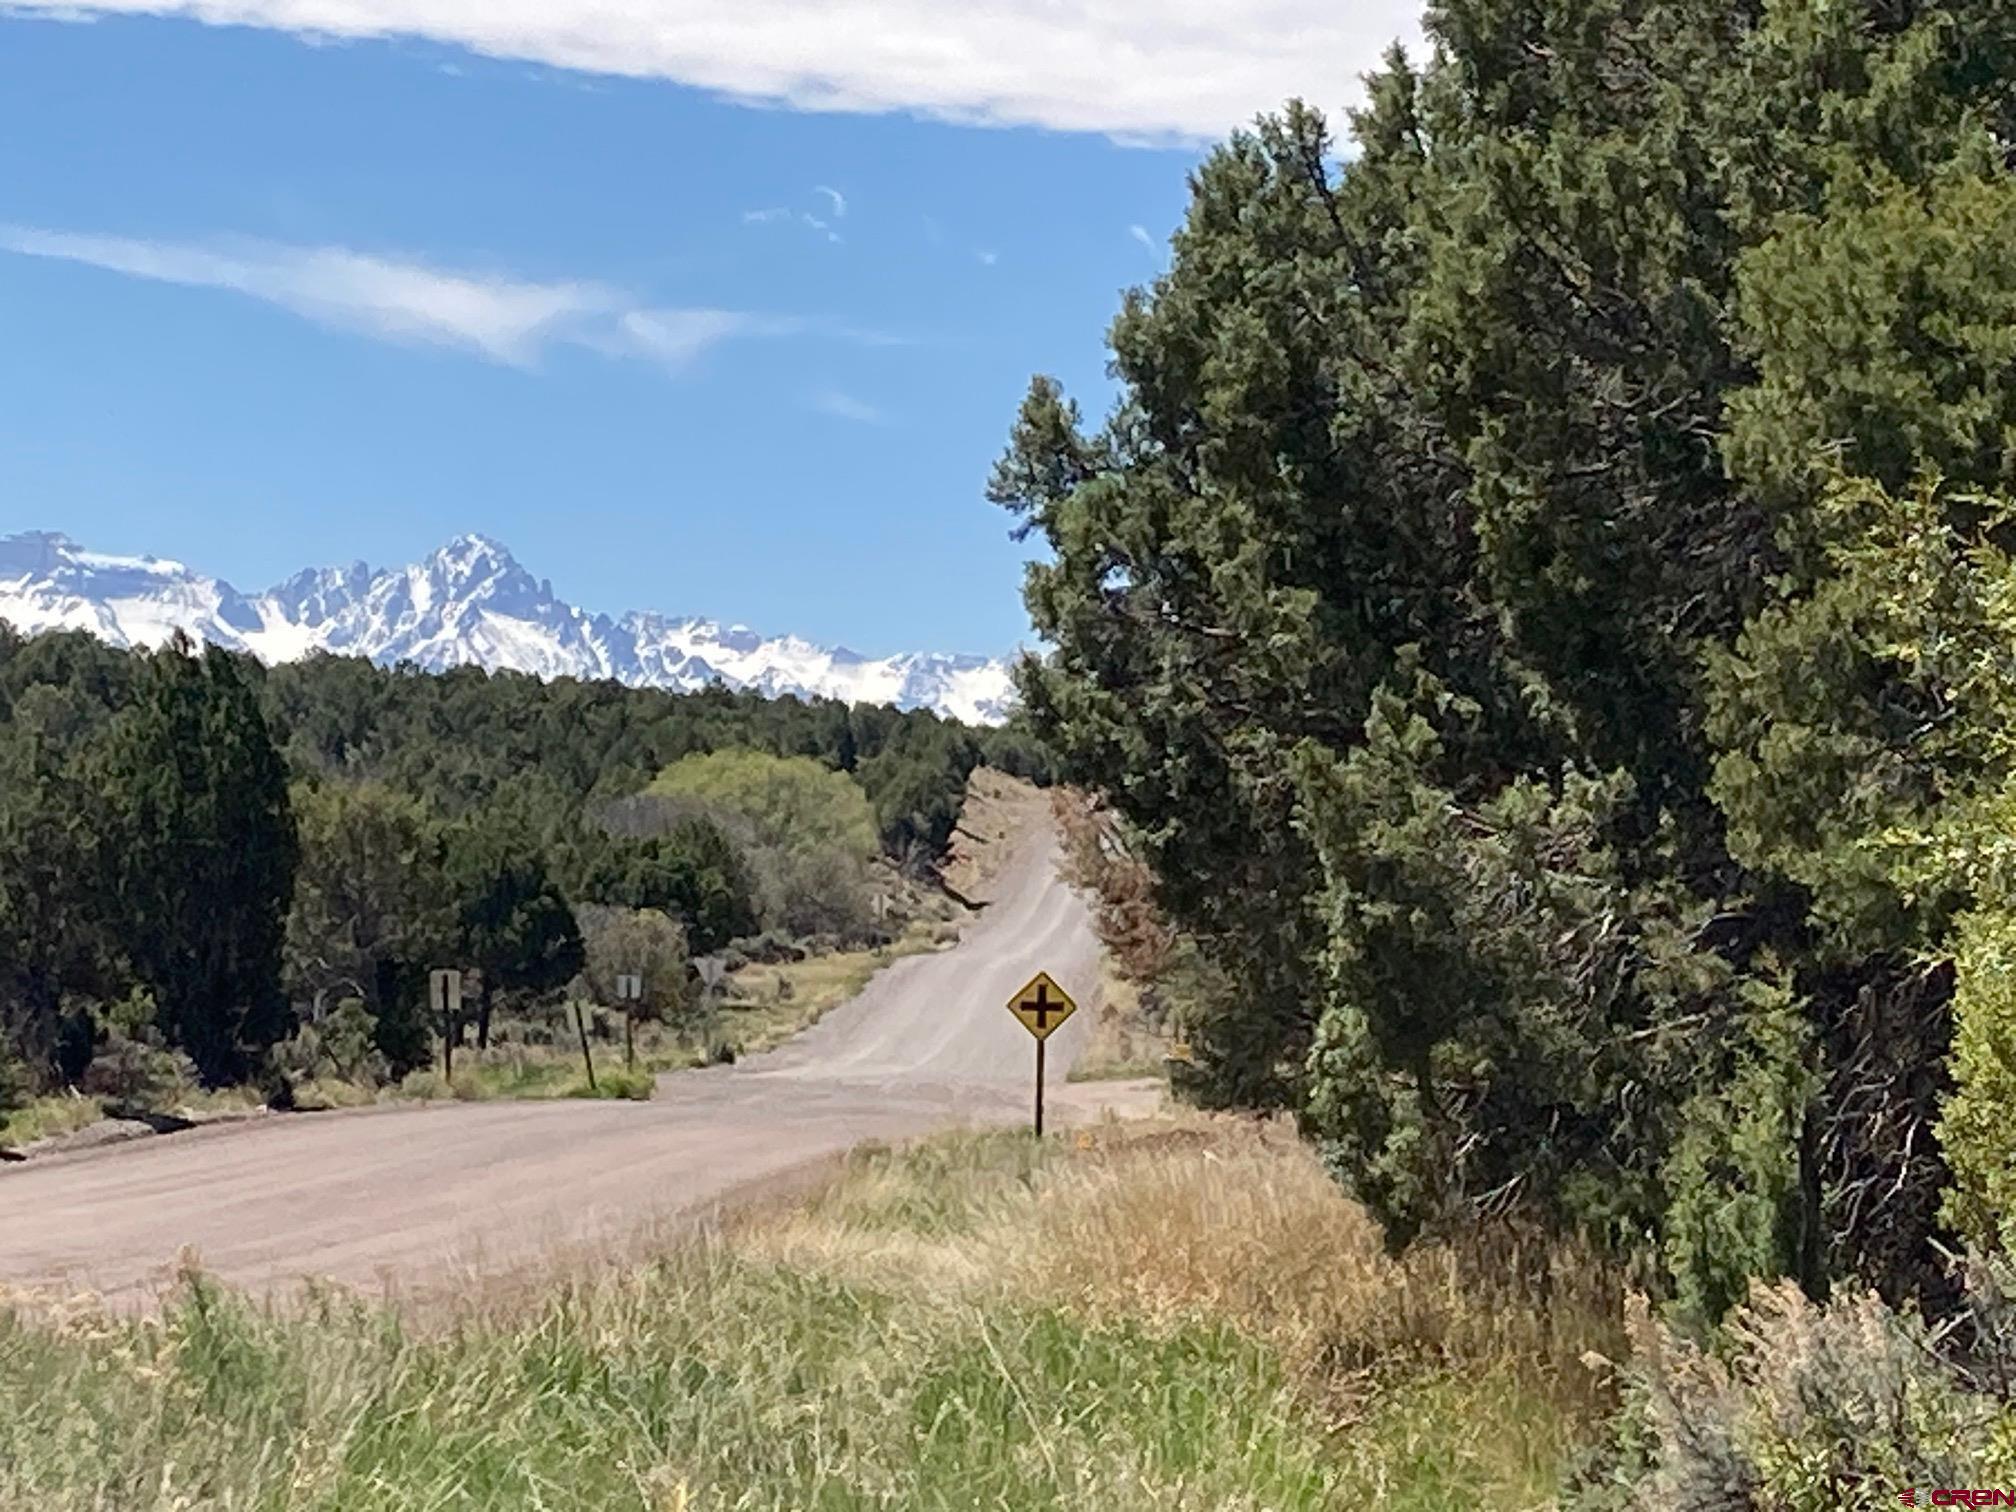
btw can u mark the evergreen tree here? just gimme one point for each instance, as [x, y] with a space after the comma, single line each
[372, 911]
[52, 936]
[515, 926]
[1381, 606]
[199, 855]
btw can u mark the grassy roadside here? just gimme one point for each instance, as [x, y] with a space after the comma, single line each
[66, 1113]
[48, 1117]
[762, 1006]
[765, 1004]
[1178, 1315]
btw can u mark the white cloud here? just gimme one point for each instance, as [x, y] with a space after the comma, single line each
[677, 337]
[817, 224]
[987, 258]
[846, 407]
[1140, 234]
[1133, 69]
[507, 320]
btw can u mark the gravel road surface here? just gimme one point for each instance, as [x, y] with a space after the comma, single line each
[411, 1198]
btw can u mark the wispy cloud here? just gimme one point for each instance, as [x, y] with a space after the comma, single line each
[821, 224]
[1140, 234]
[1133, 69]
[987, 257]
[504, 319]
[844, 406]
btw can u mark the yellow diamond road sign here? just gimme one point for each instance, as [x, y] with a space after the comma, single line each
[1042, 1006]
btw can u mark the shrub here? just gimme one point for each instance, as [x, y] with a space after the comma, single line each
[468, 1085]
[641, 942]
[807, 833]
[139, 1074]
[13, 1082]
[1812, 1406]
[343, 1044]
[1975, 1129]
[423, 1085]
[614, 1082]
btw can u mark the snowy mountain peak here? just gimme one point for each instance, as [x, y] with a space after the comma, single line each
[471, 558]
[470, 602]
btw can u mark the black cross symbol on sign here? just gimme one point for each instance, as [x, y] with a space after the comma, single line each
[1042, 1007]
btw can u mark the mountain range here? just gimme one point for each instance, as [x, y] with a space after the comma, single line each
[468, 603]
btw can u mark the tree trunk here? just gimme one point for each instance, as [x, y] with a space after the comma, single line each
[483, 1017]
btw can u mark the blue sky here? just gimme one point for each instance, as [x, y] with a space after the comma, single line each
[713, 310]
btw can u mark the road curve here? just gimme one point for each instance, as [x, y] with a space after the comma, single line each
[407, 1197]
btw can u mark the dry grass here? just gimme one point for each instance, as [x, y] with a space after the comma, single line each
[1123, 1044]
[1193, 1218]
[767, 1003]
[1179, 1315]
[1452, 1376]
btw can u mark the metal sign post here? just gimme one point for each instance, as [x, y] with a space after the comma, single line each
[712, 971]
[1041, 1008]
[444, 1001]
[629, 992]
[581, 1025]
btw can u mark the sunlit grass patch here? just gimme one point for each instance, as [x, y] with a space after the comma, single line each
[45, 1117]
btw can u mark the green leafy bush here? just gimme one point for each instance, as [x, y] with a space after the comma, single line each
[807, 833]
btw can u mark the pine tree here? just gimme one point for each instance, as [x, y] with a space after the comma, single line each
[200, 855]
[1382, 601]
[514, 925]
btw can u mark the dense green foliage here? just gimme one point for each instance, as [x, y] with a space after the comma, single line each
[513, 924]
[1498, 607]
[807, 831]
[371, 912]
[201, 857]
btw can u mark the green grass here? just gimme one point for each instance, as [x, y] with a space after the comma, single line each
[703, 1381]
[1448, 1441]
[43, 1117]
[969, 1323]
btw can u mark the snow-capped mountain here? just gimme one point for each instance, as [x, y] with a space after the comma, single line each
[469, 602]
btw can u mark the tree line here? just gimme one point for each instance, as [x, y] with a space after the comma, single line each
[203, 854]
[1540, 611]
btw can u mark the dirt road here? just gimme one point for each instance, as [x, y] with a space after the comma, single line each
[411, 1197]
